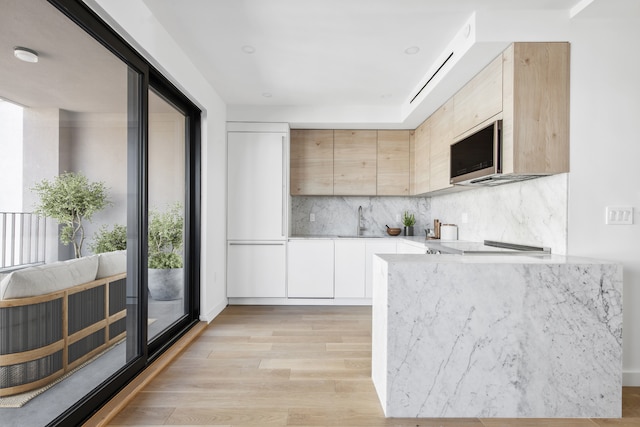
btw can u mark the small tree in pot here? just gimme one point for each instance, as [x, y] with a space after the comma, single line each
[70, 199]
[166, 235]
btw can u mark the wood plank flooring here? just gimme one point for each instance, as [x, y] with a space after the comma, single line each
[292, 366]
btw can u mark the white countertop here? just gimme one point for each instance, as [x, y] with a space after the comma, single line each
[489, 259]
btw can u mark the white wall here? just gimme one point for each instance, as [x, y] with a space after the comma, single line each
[95, 144]
[133, 20]
[41, 160]
[605, 150]
[11, 158]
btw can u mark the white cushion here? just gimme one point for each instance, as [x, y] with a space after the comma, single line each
[47, 278]
[110, 263]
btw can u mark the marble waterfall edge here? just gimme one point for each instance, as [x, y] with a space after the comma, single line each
[477, 338]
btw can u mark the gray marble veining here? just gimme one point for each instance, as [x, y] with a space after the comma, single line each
[473, 336]
[338, 215]
[531, 212]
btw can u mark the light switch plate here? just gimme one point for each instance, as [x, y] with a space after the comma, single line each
[619, 215]
[312, 217]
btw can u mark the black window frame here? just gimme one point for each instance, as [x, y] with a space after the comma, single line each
[89, 21]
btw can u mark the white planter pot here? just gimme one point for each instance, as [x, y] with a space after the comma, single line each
[166, 284]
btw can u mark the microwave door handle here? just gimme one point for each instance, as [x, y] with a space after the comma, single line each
[497, 146]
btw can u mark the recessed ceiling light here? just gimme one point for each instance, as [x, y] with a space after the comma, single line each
[412, 50]
[24, 54]
[267, 95]
[248, 49]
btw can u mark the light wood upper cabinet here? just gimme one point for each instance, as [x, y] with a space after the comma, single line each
[311, 162]
[441, 137]
[412, 163]
[422, 158]
[479, 99]
[355, 162]
[535, 128]
[393, 162]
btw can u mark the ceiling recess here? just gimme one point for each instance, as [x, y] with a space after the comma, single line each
[431, 78]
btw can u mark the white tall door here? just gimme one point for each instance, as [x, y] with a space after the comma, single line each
[256, 186]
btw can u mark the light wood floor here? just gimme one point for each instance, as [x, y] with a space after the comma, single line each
[292, 366]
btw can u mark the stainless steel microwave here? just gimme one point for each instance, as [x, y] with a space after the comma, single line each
[475, 159]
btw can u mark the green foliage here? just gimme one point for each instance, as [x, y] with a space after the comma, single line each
[70, 199]
[409, 220]
[105, 240]
[165, 260]
[166, 231]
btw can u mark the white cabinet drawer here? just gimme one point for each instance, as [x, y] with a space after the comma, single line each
[256, 270]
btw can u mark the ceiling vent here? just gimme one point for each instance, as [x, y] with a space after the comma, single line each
[431, 78]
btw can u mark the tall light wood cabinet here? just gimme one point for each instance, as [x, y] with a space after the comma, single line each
[393, 163]
[440, 143]
[354, 162]
[535, 127]
[422, 157]
[311, 162]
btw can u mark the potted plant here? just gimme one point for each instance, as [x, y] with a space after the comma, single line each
[70, 199]
[166, 274]
[408, 220]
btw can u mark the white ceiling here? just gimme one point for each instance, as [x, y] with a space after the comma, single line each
[329, 53]
[74, 72]
[335, 63]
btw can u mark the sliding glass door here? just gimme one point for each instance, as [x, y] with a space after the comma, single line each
[88, 126]
[167, 135]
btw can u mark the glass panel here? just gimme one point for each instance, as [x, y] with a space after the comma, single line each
[166, 215]
[69, 127]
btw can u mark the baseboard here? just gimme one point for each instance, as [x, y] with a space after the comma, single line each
[631, 378]
[213, 313]
[300, 301]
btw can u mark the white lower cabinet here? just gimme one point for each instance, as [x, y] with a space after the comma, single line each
[408, 248]
[381, 246]
[256, 270]
[310, 269]
[338, 269]
[350, 268]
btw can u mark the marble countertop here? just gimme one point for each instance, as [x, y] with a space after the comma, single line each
[490, 259]
[334, 236]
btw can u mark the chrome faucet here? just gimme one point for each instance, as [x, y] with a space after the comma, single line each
[360, 227]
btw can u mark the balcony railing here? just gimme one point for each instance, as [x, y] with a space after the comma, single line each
[22, 240]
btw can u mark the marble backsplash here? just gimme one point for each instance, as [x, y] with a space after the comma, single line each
[338, 215]
[531, 212]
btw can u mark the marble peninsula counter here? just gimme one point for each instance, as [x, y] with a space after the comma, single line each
[497, 336]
